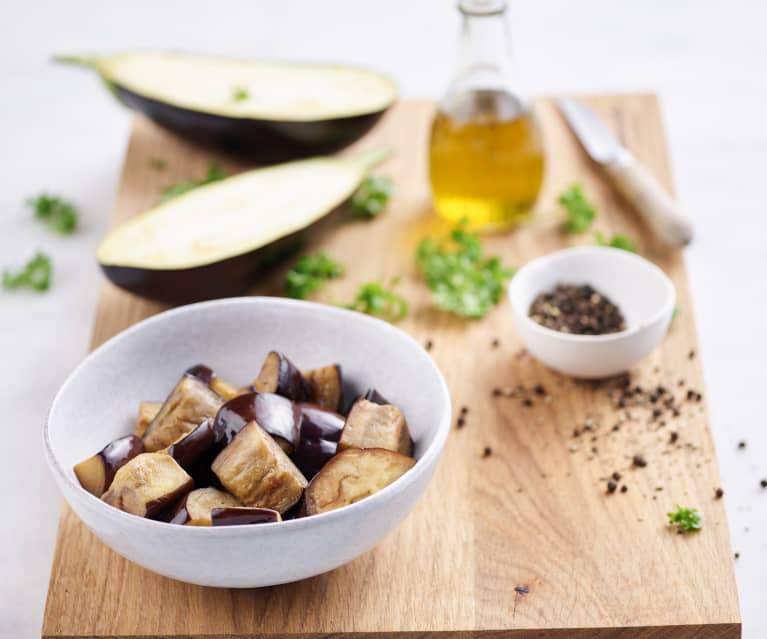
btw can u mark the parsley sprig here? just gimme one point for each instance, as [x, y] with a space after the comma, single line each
[215, 173]
[310, 273]
[240, 93]
[685, 520]
[373, 298]
[580, 212]
[618, 241]
[371, 197]
[463, 281]
[57, 214]
[35, 275]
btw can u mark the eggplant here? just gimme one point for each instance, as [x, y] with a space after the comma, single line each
[96, 473]
[353, 475]
[188, 450]
[266, 109]
[320, 432]
[242, 516]
[374, 425]
[214, 240]
[195, 509]
[277, 415]
[326, 386]
[147, 411]
[279, 375]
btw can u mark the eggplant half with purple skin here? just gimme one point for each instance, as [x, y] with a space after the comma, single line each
[213, 241]
[242, 516]
[326, 386]
[281, 376]
[277, 415]
[195, 509]
[320, 432]
[372, 424]
[96, 473]
[188, 450]
[269, 110]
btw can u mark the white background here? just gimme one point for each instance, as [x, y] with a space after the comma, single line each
[60, 131]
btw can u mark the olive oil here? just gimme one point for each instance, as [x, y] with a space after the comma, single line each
[485, 160]
[486, 156]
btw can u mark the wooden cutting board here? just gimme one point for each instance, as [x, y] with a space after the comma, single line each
[522, 543]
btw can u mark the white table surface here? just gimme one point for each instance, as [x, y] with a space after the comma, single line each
[59, 131]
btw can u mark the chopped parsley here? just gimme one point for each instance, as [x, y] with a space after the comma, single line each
[685, 520]
[215, 173]
[618, 241]
[373, 298]
[462, 280]
[310, 273]
[371, 197]
[35, 275]
[580, 212]
[57, 214]
[239, 93]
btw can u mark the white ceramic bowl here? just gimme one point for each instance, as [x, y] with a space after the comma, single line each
[98, 404]
[640, 289]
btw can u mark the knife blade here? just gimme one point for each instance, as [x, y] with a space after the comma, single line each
[637, 185]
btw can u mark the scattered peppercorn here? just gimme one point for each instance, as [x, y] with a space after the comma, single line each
[718, 493]
[464, 410]
[577, 309]
[460, 423]
[673, 437]
[639, 461]
[616, 476]
[429, 344]
[539, 390]
[611, 487]
[763, 483]
[691, 354]
[624, 488]
[496, 392]
[527, 403]
[495, 343]
[741, 444]
[487, 452]
[737, 555]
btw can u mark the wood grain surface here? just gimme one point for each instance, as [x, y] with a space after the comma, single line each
[524, 543]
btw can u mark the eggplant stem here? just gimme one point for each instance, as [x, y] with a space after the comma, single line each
[90, 61]
[368, 160]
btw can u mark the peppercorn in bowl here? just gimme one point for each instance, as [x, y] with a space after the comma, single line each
[283, 422]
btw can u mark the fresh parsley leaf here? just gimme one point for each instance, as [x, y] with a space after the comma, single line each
[59, 215]
[462, 279]
[373, 298]
[240, 93]
[310, 273]
[215, 173]
[618, 241]
[371, 197]
[580, 212]
[36, 275]
[685, 519]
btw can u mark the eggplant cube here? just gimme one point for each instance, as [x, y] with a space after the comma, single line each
[190, 448]
[96, 473]
[235, 516]
[372, 425]
[190, 403]
[353, 475]
[258, 472]
[326, 386]
[196, 507]
[147, 411]
[148, 483]
[279, 375]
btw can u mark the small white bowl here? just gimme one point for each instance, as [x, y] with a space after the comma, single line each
[644, 294]
[99, 400]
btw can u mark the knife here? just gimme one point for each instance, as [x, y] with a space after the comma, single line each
[633, 181]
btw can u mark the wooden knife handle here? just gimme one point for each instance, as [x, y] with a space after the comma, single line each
[651, 200]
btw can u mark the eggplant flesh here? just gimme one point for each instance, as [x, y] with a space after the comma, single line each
[320, 431]
[277, 415]
[215, 240]
[280, 109]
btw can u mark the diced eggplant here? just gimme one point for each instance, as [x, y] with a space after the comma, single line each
[372, 395]
[96, 473]
[190, 403]
[352, 475]
[258, 472]
[277, 415]
[147, 484]
[195, 509]
[147, 411]
[223, 388]
[326, 387]
[202, 372]
[320, 432]
[190, 448]
[279, 375]
[373, 425]
[241, 516]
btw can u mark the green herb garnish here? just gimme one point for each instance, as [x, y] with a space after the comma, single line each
[240, 93]
[215, 173]
[580, 212]
[371, 197]
[462, 279]
[59, 215]
[157, 164]
[310, 273]
[373, 298]
[36, 275]
[685, 519]
[618, 241]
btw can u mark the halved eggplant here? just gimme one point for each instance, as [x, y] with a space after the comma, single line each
[257, 471]
[96, 473]
[353, 475]
[374, 425]
[320, 432]
[272, 110]
[214, 240]
[147, 484]
[277, 415]
[195, 509]
[188, 450]
[190, 402]
[242, 516]
[279, 375]
[326, 386]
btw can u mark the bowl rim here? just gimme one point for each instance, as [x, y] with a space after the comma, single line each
[614, 253]
[428, 459]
